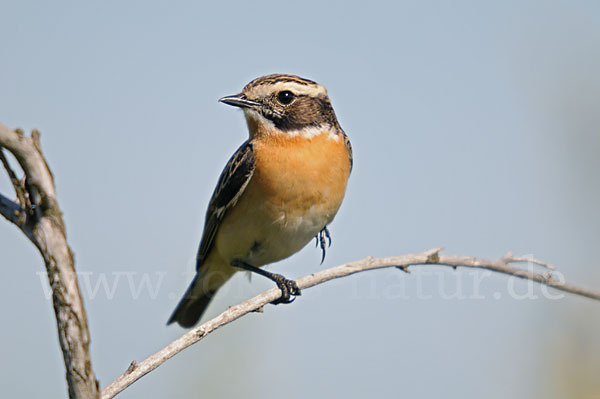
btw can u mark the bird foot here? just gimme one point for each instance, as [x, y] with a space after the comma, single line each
[288, 289]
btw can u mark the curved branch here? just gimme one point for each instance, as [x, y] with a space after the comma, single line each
[39, 217]
[431, 257]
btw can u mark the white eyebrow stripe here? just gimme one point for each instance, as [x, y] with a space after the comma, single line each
[297, 88]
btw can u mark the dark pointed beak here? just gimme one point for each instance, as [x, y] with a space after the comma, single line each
[239, 100]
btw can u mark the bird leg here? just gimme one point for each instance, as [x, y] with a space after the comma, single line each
[287, 287]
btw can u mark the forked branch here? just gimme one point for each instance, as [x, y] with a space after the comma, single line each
[38, 216]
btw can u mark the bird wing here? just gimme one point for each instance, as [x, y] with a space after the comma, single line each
[231, 185]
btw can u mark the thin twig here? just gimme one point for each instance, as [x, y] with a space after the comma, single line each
[431, 257]
[17, 184]
[9, 210]
[509, 258]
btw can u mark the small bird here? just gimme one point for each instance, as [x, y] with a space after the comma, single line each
[280, 189]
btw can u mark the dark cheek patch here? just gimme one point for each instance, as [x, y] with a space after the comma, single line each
[304, 112]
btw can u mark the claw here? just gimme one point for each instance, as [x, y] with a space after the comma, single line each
[321, 237]
[328, 236]
[288, 288]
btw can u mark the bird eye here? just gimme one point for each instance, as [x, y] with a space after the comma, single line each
[285, 97]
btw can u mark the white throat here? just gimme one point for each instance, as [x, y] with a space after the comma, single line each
[306, 132]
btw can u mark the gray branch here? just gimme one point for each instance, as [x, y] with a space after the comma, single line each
[9, 210]
[432, 257]
[40, 219]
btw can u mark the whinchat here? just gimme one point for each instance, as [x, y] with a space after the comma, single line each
[280, 189]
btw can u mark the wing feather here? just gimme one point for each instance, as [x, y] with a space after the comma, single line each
[231, 185]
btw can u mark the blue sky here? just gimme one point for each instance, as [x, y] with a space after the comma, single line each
[475, 127]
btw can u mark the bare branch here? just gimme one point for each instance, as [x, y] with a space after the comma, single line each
[428, 258]
[509, 258]
[9, 210]
[39, 217]
[44, 226]
[17, 184]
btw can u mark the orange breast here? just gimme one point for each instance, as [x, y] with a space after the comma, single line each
[301, 172]
[296, 189]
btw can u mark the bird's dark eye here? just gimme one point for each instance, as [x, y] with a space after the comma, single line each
[285, 97]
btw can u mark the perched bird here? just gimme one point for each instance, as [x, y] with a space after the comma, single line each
[280, 189]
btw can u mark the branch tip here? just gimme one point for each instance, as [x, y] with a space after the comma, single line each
[35, 137]
[132, 366]
[510, 258]
[433, 255]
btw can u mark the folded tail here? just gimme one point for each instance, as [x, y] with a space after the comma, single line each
[192, 305]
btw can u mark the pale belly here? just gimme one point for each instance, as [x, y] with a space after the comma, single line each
[266, 232]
